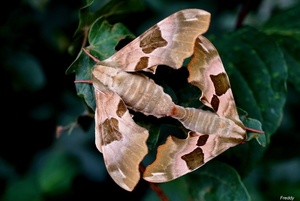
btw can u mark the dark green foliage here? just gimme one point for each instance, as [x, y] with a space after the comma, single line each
[263, 65]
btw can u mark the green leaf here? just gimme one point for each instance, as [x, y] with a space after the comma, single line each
[254, 125]
[284, 27]
[85, 18]
[176, 190]
[25, 189]
[56, 175]
[284, 22]
[216, 181]
[103, 39]
[26, 72]
[258, 73]
[82, 66]
[291, 49]
[152, 124]
[114, 8]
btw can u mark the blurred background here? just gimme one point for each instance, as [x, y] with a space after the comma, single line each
[37, 97]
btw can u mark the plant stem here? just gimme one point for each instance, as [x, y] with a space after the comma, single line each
[243, 13]
[155, 187]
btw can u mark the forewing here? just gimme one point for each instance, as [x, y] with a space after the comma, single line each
[178, 157]
[168, 42]
[208, 74]
[119, 138]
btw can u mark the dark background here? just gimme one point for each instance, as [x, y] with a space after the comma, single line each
[37, 96]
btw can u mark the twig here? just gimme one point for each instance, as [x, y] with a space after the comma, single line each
[243, 13]
[155, 187]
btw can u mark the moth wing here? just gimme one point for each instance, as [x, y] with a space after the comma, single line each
[178, 157]
[168, 42]
[208, 74]
[119, 138]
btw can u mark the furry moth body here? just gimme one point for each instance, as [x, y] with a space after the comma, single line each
[118, 86]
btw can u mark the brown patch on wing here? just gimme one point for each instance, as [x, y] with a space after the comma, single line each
[142, 63]
[110, 131]
[215, 102]
[193, 134]
[194, 159]
[202, 140]
[121, 109]
[152, 41]
[221, 83]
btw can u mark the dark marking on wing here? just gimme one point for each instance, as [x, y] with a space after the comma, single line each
[193, 134]
[121, 110]
[110, 131]
[221, 83]
[194, 159]
[142, 63]
[202, 140]
[215, 102]
[152, 41]
[203, 99]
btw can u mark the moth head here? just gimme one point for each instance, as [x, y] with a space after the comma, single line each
[238, 128]
[104, 75]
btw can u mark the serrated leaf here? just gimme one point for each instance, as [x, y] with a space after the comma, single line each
[216, 181]
[85, 17]
[113, 7]
[82, 67]
[103, 39]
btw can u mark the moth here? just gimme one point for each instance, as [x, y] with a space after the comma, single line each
[213, 133]
[118, 86]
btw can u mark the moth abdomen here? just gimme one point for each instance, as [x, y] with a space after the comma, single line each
[196, 120]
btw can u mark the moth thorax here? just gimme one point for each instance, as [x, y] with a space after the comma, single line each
[238, 129]
[106, 75]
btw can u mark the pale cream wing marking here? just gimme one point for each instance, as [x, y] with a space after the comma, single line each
[168, 42]
[208, 74]
[178, 157]
[122, 142]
